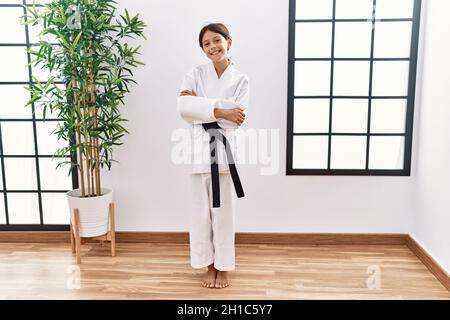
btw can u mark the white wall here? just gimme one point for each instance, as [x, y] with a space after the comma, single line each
[150, 190]
[432, 134]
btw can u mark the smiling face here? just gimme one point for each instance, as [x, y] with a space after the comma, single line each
[215, 46]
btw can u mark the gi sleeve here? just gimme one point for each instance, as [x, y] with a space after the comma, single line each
[195, 110]
[240, 100]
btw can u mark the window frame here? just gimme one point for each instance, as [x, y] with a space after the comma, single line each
[4, 191]
[410, 98]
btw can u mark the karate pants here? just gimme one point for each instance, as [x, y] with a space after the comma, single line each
[212, 230]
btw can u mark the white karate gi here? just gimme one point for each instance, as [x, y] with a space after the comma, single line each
[212, 229]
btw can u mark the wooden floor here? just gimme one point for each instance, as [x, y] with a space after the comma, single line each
[162, 271]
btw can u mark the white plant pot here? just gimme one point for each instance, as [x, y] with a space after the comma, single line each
[93, 212]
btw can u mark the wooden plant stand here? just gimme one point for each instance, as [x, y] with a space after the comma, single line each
[76, 240]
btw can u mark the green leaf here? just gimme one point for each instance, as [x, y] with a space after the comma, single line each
[113, 64]
[75, 42]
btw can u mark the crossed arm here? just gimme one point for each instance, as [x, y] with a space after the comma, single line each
[235, 115]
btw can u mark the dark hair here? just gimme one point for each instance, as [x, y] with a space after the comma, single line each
[214, 27]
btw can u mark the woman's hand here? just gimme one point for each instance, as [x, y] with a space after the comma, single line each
[235, 115]
[188, 93]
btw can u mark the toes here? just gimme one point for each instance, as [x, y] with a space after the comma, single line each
[221, 285]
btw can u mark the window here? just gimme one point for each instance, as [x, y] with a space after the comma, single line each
[32, 189]
[351, 86]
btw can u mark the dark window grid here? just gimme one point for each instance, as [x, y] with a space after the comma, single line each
[33, 119]
[10, 5]
[330, 111]
[29, 120]
[2, 160]
[410, 98]
[351, 59]
[13, 44]
[36, 147]
[18, 5]
[360, 134]
[372, 41]
[33, 44]
[34, 227]
[32, 156]
[24, 82]
[33, 191]
[349, 172]
[350, 97]
[353, 20]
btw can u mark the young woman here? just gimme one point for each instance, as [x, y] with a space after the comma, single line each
[213, 92]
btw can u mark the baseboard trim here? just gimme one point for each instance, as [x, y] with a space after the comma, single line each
[153, 237]
[241, 238]
[272, 238]
[253, 238]
[429, 262]
[321, 238]
[34, 236]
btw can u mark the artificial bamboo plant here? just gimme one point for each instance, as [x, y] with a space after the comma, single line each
[83, 45]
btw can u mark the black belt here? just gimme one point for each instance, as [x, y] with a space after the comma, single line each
[213, 129]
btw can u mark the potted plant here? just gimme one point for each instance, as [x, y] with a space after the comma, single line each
[83, 44]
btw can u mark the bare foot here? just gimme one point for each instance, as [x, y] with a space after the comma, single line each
[209, 278]
[222, 280]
